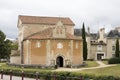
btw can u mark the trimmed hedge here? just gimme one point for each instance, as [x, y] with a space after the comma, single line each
[114, 60]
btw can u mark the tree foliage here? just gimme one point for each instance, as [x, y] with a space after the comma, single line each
[5, 46]
[84, 43]
[117, 48]
[2, 44]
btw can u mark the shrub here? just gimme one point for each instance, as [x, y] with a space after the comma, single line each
[90, 60]
[68, 66]
[114, 60]
[48, 75]
[55, 66]
[104, 59]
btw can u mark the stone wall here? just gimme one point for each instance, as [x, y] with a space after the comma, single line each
[15, 57]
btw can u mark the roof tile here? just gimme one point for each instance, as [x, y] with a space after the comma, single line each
[45, 20]
[47, 34]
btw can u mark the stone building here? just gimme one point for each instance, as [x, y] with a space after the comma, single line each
[96, 44]
[101, 45]
[48, 41]
[112, 36]
[98, 47]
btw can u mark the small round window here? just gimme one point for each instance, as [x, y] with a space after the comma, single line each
[59, 45]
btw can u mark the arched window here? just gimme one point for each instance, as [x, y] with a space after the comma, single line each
[38, 44]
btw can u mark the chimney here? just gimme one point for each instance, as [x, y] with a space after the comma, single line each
[101, 34]
[88, 30]
[118, 29]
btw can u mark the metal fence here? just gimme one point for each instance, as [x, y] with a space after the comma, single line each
[38, 76]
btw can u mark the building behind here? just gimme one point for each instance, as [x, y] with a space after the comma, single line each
[101, 45]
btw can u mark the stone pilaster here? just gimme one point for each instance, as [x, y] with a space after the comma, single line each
[48, 52]
[28, 52]
[71, 48]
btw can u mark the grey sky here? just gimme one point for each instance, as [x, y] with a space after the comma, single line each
[94, 13]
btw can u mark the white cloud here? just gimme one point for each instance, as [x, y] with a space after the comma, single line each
[92, 12]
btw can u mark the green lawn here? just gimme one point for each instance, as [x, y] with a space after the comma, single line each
[105, 62]
[91, 63]
[5, 66]
[111, 71]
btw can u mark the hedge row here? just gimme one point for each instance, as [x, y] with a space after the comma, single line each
[114, 60]
[48, 75]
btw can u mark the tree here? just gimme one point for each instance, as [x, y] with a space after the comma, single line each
[5, 46]
[84, 43]
[117, 48]
[2, 44]
[14, 45]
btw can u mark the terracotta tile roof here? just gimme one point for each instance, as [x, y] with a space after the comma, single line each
[45, 20]
[47, 34]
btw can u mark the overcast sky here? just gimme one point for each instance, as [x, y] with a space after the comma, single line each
[94, 13]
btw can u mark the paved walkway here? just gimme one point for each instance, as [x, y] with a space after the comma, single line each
[7, 77]
[101, 65]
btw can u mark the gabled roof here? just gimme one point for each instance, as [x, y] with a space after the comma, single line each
[48, 34]
[114, 34]
[94, 36]
[45, 20]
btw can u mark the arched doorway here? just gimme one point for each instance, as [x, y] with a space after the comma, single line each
[59, 61]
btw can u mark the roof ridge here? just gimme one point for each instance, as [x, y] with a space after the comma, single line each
[42, 16]
[45, 20]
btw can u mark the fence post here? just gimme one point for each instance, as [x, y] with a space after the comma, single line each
[54, 76]
[37, 75]
[81, 78]
[2, 74]
[10, 74]
[22, 75]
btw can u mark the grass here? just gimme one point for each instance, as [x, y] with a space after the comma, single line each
[105, 62]
[5, 66]
[109, 71]
[91, 63]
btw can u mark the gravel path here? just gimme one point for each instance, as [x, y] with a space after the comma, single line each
[101, 65]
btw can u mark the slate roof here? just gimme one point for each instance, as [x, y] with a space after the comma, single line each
[113, 34]
[45, 20]
[94, 36]
[78, 32]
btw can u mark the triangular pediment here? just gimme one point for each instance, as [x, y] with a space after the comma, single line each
[59, 23]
